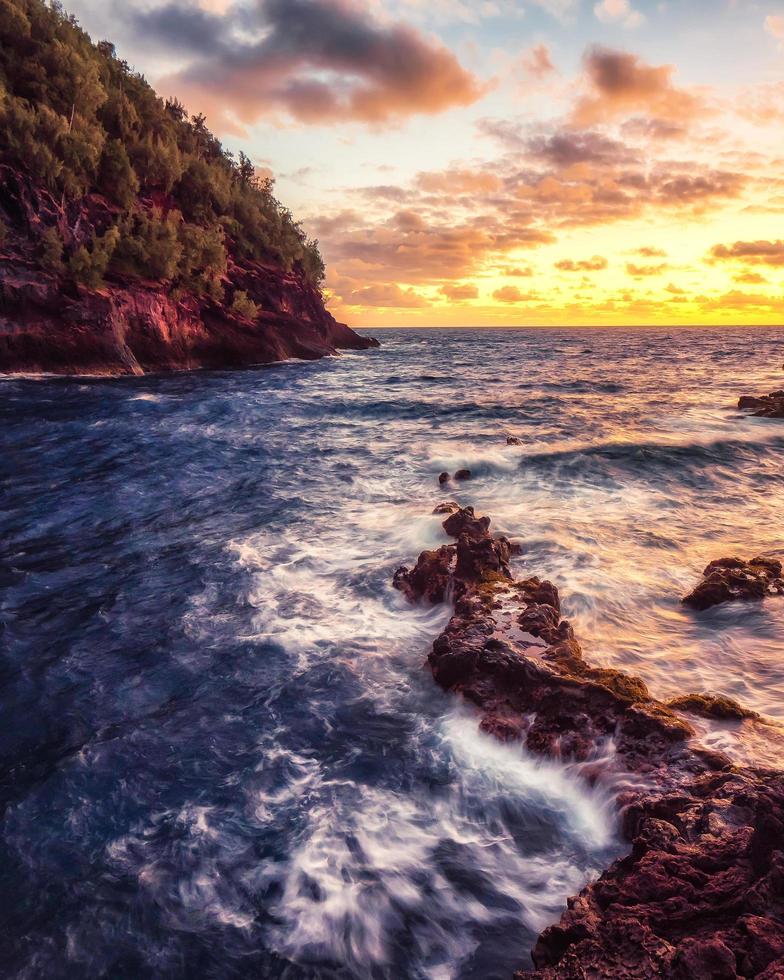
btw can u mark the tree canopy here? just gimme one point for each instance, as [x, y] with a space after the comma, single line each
[79, 120]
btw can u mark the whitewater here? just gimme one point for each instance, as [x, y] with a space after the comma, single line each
[222, 754]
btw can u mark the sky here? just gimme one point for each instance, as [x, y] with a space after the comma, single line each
[499, 162]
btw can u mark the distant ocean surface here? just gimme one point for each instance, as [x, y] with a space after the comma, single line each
[221, 754]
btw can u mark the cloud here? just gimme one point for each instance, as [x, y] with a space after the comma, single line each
[619, 83]
[458, 291]
[422, 252]
[750, 279]
[538, 62]
[643, 271]
[388, 295]
[650, 252]
[566, 147]
[511, 294]
[774, 25]
[518, 272]
[596, 264]
[620, 11]
[752, 253]
[315, 61]
[459, 181]
[687, 188]
[642, 127]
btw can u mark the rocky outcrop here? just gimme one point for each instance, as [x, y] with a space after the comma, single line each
[701, 893]
[700, 896]
[768, 406]
[733, 579]
[50, 325]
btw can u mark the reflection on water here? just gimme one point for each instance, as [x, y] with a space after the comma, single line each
[221, 753]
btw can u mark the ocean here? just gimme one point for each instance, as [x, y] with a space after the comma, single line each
[221, 752]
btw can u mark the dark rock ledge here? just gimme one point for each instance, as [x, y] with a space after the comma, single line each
[131, 326]
[767, 406]
[701, 893]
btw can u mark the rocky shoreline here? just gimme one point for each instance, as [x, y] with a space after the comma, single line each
[50, 325]
[701, 893]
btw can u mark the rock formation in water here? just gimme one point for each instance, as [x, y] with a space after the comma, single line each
[732, 579]
[701, 894]
[130, 239]
[767, 406]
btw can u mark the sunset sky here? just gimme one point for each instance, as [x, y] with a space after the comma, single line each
[500, 162]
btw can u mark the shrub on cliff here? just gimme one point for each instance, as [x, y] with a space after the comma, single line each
[244, 306]
[88, 264]
[50, 251]
[117, 179]
[79, 120]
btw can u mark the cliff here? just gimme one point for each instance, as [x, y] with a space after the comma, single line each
[49, 323]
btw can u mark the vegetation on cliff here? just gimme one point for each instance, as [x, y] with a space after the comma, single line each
[79, 121]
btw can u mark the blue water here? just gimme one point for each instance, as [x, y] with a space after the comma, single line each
[221, 753]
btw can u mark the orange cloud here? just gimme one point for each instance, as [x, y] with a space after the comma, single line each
[538, 62]
[596, 264]
[753, 253]
[750, 279]
[511, 294]
[643, 271]
[385, 295]
[315, 61]
[458, 292]
[620, 84]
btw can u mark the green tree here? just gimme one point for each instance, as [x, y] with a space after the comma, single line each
[88, 265]
[118, 179]
[244, 306]
[51, 251]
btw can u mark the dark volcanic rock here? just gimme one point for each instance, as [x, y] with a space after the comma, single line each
[463, 475]
[49, 325]
[730, 579]
[701, 894]
[513, 441]
[768, 406]
[443, 478]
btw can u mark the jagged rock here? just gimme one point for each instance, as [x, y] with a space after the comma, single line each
[449, 507]
[514, 441]
[464, 521]
[731, 579]
[701, 893]
[767, 406]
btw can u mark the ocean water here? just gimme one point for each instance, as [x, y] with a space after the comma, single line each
[221, 753]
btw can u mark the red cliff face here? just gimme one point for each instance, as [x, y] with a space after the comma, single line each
[49, 325]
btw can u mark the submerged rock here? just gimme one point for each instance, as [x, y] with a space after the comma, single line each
[513, 441]
[463, 475]
[443, 478]
[701, 893]
[733, 579]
